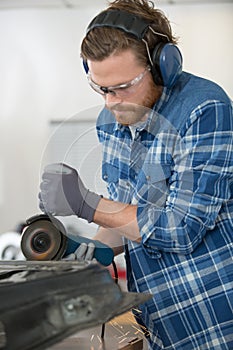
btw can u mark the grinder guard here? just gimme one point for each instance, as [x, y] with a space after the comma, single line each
[43, 238]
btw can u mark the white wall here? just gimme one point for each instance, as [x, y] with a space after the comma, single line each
[41, 78]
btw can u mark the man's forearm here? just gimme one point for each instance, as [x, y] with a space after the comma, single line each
[119, 217]
[111, 238]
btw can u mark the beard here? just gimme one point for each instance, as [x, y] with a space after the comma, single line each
[129, 113]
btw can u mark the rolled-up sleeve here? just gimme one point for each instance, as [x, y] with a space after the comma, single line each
[183, 187]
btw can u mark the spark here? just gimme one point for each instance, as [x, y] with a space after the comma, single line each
[121, 341]
[116, 326]
[100, 340]
[137, 310]
[138, 330]
[124, 335]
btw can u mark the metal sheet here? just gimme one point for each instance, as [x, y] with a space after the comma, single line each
[41, 303]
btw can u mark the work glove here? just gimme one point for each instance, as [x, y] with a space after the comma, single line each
[83, 248]
[63, 193]
[85, 252]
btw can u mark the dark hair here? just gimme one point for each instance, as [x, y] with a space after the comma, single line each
[101, 42]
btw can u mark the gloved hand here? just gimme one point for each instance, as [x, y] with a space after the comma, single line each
[85, 252]
[63, 193]
[83, 248]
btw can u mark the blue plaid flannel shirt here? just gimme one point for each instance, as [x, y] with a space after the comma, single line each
[178, 170]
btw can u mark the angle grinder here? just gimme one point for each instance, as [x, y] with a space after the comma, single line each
[45, 238]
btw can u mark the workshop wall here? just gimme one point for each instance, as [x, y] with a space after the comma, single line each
[42, 79]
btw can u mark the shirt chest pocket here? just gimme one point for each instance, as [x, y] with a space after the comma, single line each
[110, 175]
[153, 183]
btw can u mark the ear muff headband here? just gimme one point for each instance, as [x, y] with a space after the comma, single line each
[166, 58]
[128, 22]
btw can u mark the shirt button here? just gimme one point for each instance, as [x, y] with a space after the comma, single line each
[105, 176]
[148, 177]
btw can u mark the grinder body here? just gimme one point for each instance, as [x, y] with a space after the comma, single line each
[45, 238]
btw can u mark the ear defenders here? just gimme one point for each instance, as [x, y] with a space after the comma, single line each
[166, 59]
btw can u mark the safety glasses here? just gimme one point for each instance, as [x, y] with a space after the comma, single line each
[121, 90]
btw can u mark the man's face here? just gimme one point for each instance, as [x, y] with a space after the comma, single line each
[126, 85]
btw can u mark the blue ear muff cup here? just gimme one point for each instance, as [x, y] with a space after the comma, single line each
[155, 68]
[167, 66]
[85, 66]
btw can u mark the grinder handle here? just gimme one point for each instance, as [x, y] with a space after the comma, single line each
[102, 253]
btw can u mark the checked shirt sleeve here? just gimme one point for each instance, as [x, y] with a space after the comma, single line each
[192, 180]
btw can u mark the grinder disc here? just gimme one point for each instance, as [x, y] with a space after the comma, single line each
[41, 240]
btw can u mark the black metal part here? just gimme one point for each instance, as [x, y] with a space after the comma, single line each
[42, 303]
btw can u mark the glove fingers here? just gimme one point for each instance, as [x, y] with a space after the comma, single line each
[90, 251]
[81, 251]
[50, 196]
[50, 176]
[44, 203]
[41, 203]
[53, 198]
[42, 208]
[44, 185]
[58, 168]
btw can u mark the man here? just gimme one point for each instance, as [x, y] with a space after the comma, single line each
[167, 161]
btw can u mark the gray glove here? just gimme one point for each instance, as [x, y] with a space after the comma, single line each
[85, 252]
[63, 193]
